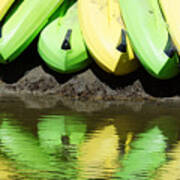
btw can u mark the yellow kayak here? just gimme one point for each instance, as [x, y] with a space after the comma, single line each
[105, 36]
[171, 13]
[4, 6]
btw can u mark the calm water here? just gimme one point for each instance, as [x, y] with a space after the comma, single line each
[129, 141]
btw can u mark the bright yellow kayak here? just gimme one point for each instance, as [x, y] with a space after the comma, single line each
[172, 14]
[105, 36]
[4, 6]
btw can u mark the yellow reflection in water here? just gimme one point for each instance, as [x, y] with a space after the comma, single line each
[6, 170]
[171, 170]
[99, 154]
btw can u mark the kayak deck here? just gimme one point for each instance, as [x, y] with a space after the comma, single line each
[102, 27]
[149, 36]
[50, 46]
[171, 12]
[23, 26]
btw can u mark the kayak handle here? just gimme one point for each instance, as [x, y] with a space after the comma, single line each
[123, 45]
[170, 52]
[1, 30]
[66, 43]
[170, 49]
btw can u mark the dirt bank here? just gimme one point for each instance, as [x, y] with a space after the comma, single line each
[29, 75]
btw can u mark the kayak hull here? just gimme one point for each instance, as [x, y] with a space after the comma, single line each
[171, 12]
[102, 34]
[151, 39]
[24, 25]
[51, 40]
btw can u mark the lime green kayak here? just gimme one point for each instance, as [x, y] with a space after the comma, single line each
[23, 26]
[61, 44]
[149, 36]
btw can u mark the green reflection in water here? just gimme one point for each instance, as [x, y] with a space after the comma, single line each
[23, 147]
[147, 154]
[169, 127]
[88, 147]
[62, 136]
[148, 151]
[55, 131]
[32, 157]
[171, 169]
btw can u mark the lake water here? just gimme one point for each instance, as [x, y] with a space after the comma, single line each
[78, 140]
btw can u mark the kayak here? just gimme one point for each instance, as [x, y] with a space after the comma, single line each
[4, 6]
[61, 44]
[105, 36]
[23, 26]
[149, 36]
[171, 13]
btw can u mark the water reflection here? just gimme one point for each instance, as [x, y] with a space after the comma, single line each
[6, 170]
[146, 155]
[99, 153]
[57, 131]
[89, 146]
[23, 147]
[168, 125]
[170, 170]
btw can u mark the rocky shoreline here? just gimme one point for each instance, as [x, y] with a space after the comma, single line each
[29, 75]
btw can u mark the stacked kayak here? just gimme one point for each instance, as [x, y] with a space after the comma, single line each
[105, 36]
[149, 36]
[23, 26]
[61, 44]
[116, 33]
[171, 12]
[4, 6]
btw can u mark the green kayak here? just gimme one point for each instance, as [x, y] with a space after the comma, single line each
[61, 44]
[149, 36]
[23, 26]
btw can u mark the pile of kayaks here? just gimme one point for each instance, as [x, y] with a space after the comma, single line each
[118, 34]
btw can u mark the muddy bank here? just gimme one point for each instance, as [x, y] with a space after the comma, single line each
[29, 75]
